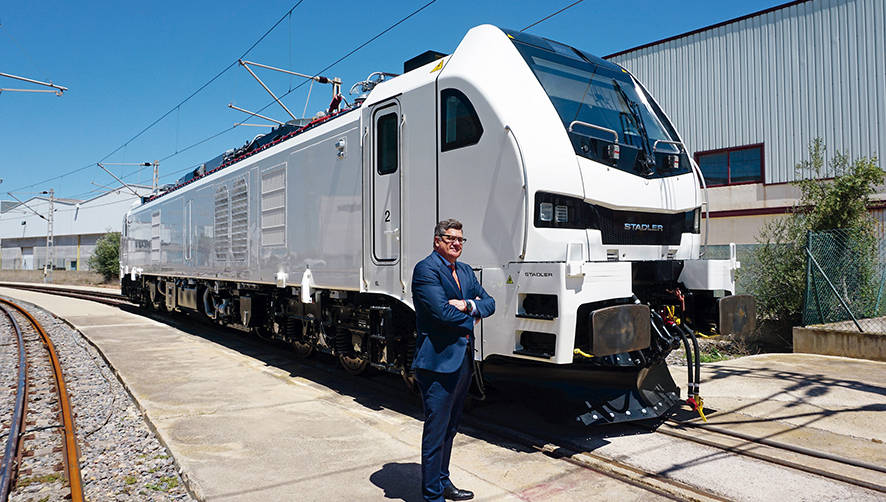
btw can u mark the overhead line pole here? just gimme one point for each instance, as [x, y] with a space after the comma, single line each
[50, 241]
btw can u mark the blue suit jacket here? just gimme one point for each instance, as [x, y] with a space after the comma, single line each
[444, 331]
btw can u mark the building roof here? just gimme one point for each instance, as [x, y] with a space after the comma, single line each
[706, 28]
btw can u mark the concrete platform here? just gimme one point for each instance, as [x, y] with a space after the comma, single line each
[247, 422]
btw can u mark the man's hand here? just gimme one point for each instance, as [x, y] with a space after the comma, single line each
[461, 305]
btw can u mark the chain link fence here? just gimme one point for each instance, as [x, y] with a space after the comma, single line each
[846, 280]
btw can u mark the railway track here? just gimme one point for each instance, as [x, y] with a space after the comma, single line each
[808, 460]
[113, 299]
[820, 463]
[40, 438]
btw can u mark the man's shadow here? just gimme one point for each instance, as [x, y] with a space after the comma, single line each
[399, 481]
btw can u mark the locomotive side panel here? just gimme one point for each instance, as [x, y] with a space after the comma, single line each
[322, 214]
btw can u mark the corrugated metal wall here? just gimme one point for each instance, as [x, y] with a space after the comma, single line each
[814, 69]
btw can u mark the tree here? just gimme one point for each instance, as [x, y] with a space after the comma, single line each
[106, 257]
[834, 195]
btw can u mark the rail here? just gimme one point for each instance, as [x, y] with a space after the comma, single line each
[18, 414]
[72, 462]
[778, 445]
[113, 299]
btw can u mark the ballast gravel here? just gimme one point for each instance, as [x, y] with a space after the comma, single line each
[121, 459]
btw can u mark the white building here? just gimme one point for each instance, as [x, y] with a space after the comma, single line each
[749, 94]
[77, 226]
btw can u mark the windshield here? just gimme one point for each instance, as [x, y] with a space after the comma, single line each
[601, 105]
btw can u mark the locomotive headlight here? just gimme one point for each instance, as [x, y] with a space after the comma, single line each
[546, 211]
[559, 211]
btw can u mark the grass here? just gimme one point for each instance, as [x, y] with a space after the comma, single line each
[47, 478]
[165, 484]
[713, 355]
[129, 480]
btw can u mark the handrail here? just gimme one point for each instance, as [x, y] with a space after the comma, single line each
[707, 205]
[592, 126]
[525, 189]
[667, 142]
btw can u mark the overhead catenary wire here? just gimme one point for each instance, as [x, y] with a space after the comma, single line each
[234, 63]
[339, 60]
[573, 4]
[185, 100]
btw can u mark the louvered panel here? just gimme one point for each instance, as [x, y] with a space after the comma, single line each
[155, 237]
[239, 220]
[273, 206]
[222, 239]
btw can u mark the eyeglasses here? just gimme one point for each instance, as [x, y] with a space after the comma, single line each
[451, 238]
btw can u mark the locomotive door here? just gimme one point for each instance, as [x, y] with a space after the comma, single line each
[386, 184]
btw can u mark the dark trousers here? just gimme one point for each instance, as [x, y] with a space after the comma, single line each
[443, 397]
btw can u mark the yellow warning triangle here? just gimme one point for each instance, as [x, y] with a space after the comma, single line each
[509, 281]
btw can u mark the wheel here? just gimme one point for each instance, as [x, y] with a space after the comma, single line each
[299, 336]
[302, 349]
[354, 364]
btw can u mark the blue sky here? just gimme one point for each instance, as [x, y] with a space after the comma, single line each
[128, 63]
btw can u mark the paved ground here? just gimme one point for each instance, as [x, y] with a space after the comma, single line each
[246, 422]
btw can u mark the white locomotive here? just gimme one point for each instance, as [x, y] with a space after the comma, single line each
[581, 206]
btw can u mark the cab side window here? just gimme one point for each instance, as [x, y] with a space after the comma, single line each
[386, 144]
[459, 123]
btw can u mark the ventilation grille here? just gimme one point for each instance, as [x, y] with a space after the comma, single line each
[239, 220]
[222, 236]
[273, 207]
[155, 237]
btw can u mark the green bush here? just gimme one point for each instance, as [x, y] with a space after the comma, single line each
[106, 257]
[834, 195]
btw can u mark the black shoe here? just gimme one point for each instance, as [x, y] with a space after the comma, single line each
[453, 493]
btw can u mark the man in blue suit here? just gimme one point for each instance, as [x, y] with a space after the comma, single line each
[448, 302]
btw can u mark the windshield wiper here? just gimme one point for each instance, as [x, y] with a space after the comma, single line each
[648, 160]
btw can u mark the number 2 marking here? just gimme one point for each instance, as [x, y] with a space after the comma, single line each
[387, 215]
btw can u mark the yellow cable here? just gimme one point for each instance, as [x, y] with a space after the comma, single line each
[582, 353]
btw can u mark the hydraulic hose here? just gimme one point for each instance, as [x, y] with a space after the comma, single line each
[689, 376]
[691, 334]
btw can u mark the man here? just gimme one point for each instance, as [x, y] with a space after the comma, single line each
[448, 302]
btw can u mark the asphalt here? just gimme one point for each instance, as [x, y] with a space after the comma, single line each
[246, 421]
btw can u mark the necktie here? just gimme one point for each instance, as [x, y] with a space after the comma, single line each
[455, 276]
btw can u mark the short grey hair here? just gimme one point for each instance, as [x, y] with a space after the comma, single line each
[444, 225]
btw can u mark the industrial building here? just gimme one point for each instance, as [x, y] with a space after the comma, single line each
[76, 227]
[748, 95]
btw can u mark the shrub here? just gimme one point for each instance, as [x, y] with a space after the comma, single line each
[106, 257]
[778, 270]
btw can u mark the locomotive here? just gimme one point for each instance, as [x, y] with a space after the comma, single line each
[579, 199]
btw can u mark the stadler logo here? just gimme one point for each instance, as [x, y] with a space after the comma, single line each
[538, 274]
[644, 227]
